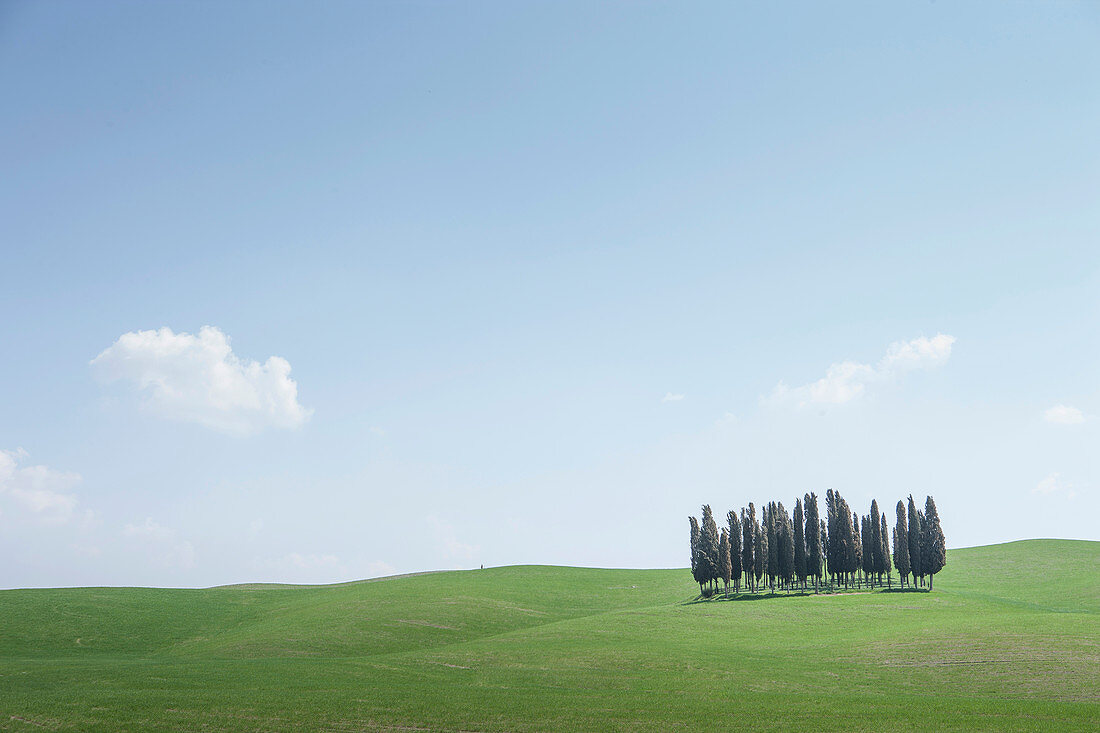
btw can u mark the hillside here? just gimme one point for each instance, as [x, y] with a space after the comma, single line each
[1010, 640]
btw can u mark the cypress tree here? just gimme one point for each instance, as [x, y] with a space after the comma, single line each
[901, 544]
[735, 549]
[894, 537]
[784, 536]
[867, 555]
[696, 569]
[914, 540]
[920, 542]
[773, 546]
[799, 544]
[725, 568]
[814, 539]
[843, 542]
[849, 542]
[769, 543]
[761, 551]
[708, 540]
[878, 563]
[748, 544]
[788, 551]
[885, 553]
[933, 549]
[855, 561]
[834, 548]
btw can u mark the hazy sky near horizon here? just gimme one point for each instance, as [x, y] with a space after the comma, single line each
[310, 292]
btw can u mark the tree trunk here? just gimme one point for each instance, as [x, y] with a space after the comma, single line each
[930, 583]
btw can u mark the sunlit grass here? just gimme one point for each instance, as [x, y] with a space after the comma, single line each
[1009, 640]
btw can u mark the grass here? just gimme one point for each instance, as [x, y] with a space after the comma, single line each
[1009, 640]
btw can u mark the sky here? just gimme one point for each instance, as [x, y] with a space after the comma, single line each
[312, 292]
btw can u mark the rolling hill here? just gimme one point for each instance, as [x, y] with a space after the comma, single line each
[1009, 640]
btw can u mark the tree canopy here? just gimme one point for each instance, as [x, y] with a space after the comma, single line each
[785, 551]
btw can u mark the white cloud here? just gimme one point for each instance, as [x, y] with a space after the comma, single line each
[1054, 484]
[920, 353]
[163, 543]
[671, 397]
[1064, 415]
[38, 489]
[1047, 486]
[847, 380]
[198, 378]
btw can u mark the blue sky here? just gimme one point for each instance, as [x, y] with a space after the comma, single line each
[531, 275]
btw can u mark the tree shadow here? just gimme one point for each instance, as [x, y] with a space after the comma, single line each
[732, 597]
[767, 595]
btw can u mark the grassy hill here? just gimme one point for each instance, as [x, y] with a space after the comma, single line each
[1009, 640]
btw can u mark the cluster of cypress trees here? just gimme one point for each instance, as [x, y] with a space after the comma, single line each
[843, 548]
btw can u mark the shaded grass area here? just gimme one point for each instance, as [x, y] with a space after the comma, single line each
[539, 648]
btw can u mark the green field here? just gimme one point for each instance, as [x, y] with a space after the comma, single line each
[1009, 640]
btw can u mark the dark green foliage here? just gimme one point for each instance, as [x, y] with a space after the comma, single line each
[784, 537]
[933, 545]
[735, 548]
[866, 553]
[815, 537]
[901, 543]
[914, 541]
[799, 543]
[878, 561]
[761, 551]
[748, 543]
[843, 546]
[848, 548]
[708, 542]
[894, 538]
[856, 547]
[696, 565]
[773, 545]
[884, 553]
[725, 568]
[920, 541]
[835, 547]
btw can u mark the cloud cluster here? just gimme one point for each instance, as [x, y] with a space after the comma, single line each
[672, 397]
[847, 380]
[1054, 484]
[1064, 415]
[198, 378]
[40, 490]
